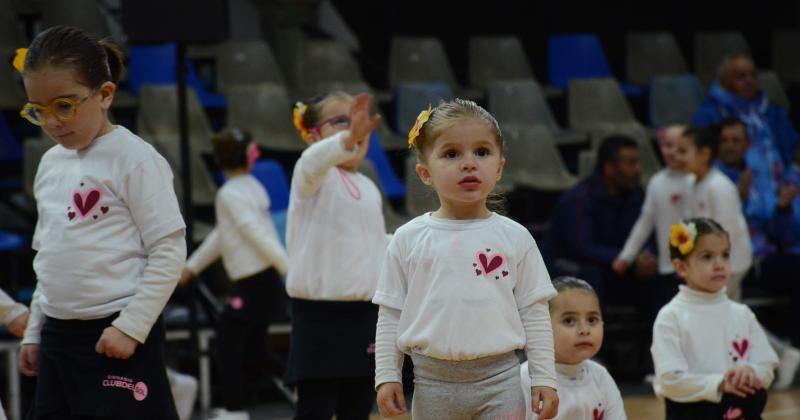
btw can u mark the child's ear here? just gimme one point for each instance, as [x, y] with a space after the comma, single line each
[424, 174]
[107, 91]
[680, 267]
[500, 168]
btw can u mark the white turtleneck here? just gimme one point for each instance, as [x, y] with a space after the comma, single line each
[585, 391]
[697, 337]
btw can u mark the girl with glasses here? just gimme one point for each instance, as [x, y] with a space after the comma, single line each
[109, 239]
[336, 241]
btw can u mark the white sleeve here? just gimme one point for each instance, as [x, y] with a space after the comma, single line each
[672, 378]
[532, 279]
[165, 260]
[314, 163]
[205, 254]
[35, 321]
[9, 308]
[642, 229]
[615, 409]
[392, 286]
[539, 344]
[763, 361]
[250, 222]
[388, 357]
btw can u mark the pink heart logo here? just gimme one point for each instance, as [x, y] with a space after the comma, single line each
[490, 263]
[733, 413]
[741, 347]
[86, 202]
[598, 414]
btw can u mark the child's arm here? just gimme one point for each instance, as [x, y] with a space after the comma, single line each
[154, 209]
[314, 163]
[389, 364]
[250, 222]
[29, 351]
[673, 379]
[639, 234]
[203, 256]
[614, 409]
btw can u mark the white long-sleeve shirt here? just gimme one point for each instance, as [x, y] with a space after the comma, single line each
[717, 197]
[586, 391]
[698, 337]
[245, 236]
[335, 234]
[666, 202]
[465, 289]
[110, 236]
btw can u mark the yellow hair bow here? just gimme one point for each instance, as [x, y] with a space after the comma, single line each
[297, 117]
[421, 119]
[682, 236]
[19, 59]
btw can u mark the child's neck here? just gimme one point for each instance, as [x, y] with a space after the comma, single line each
[467, 212]
[233, 173]
[701, 173]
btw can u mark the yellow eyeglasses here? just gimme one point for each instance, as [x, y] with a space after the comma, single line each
[64, 109]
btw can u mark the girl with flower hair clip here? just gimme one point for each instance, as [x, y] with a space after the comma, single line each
[336, 241]
[712, 357]
[463, 288]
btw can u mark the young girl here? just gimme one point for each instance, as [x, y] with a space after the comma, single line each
[711, 356]
[253, 257]
[110, 242]
[336, 241]
[665, 202]
[463, 288]
[716, 197]
[587, 391]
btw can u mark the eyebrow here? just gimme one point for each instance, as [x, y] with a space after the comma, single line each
[479, 143]
[71, 96]
[578, 313]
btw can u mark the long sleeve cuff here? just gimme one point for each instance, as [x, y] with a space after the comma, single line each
[388, 358]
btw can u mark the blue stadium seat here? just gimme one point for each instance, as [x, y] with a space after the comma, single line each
[273, 177]
[392, 185]
[155, 64]
[579, 56]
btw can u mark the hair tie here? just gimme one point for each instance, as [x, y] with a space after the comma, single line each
[297, 117]
[19, 59]
[421, 119]
[682, 236]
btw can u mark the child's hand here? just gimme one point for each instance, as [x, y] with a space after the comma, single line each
[17, 325]
[186, 277]
[619, 266]
[115, 343]
[549, 401]
[391, 401]
[741, 381]
[29, 359]
[361, 123]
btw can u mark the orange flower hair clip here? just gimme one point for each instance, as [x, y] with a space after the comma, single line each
[19, 59]
[682, 236]
[421, 119]
[297, 117]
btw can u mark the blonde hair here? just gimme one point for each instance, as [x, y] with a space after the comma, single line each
[446, 115]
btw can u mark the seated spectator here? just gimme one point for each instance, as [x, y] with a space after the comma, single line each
[592, 220]
[736, 94]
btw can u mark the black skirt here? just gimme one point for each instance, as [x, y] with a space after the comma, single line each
[74, 380]
[260, 298]
[331, 339]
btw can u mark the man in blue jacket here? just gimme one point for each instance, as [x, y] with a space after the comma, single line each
[592, 221]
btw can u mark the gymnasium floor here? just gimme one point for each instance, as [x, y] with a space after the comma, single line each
[783, 405]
